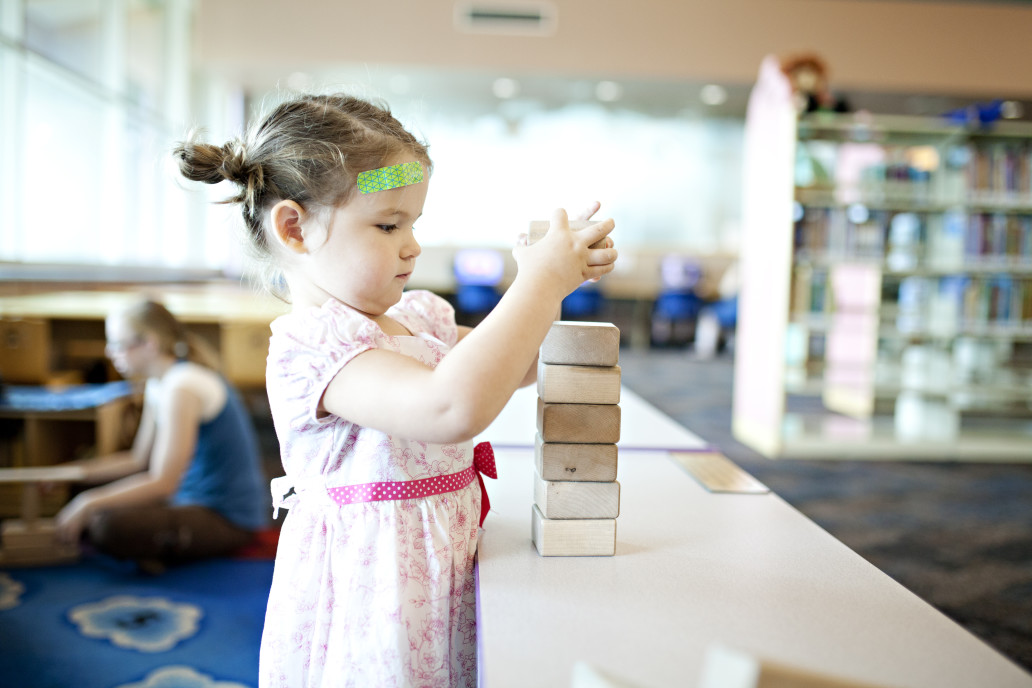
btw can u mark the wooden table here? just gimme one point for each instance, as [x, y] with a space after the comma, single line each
[692, 570]
[102, 409]
[233, 318]
[54, 425]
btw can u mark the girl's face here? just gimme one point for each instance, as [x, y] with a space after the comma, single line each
[130, 352]
[369, 250]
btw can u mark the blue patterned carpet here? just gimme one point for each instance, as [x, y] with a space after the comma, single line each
[100, 624]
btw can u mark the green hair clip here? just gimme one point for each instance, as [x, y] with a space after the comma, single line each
[391, 177]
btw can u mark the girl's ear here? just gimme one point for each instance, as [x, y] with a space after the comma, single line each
[150, 339]
[287, 217]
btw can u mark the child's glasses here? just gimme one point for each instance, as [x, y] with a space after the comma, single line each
[112, 347]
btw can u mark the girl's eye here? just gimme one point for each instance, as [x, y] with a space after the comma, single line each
[388, 228]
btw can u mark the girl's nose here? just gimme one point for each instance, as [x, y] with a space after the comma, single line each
[412, 248]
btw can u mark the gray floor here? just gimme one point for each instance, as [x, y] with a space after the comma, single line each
[958, 535]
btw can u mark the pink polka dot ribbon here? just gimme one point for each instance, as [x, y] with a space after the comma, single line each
[483, 464]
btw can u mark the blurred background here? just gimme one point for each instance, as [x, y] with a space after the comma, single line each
[532, 104]
[526, 106]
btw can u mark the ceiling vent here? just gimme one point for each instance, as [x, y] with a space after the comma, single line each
[513, 19]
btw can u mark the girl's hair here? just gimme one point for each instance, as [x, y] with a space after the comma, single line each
[150, 317]
[310, 150]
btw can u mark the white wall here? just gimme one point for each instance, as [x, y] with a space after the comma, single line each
[976, 48]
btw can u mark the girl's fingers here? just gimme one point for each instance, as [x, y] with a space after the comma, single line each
[589, 211]
[602, 256]
[598, 232]
[594, 272]
[559, 219]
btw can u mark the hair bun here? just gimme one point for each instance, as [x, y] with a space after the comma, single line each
[204, 162]
[236, 166]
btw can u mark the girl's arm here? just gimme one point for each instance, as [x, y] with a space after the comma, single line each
[528, 379]
[465, 392]
[174, 434]
[531, 375]
[103, 469]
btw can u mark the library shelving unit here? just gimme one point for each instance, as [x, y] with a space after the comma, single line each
[886, 301]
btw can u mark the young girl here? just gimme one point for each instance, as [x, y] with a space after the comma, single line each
[192, 484]
[376, 394]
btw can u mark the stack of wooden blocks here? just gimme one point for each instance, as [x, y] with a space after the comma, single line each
[577, 498]
[30, 540]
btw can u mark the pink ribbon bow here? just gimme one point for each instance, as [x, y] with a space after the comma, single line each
[484, 463]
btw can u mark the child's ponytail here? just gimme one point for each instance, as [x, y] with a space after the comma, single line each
[308, 150]
[204, 162]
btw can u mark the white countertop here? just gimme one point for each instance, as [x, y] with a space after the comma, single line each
[693, 569]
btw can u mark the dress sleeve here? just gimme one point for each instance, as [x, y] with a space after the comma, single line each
[308, 349]
[436, 315]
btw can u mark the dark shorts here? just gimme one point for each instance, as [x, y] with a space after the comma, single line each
[169, 534]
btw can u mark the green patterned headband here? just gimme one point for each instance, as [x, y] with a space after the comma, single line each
[391, 177]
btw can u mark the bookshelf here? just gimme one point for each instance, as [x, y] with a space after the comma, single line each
[886, 304]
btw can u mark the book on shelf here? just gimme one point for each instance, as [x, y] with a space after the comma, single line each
[998, 239]
[1000, 170]
[953, 303]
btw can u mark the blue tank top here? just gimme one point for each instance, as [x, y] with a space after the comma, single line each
[225, 474]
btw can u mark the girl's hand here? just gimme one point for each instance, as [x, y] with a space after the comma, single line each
[585, 215]
[563, 259]
[71, 521]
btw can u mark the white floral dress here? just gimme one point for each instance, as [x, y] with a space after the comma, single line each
[374, 593]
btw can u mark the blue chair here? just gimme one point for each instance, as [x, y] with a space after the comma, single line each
[478, 271]
[726, 311]
[716, 327]
[586, 301]
[677, 306]
[476, 299]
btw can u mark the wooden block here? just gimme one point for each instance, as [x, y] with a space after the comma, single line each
[726, 667]
[578, 384]
[594, 537]
[33, 544]
[581, 343]
[717, 473]
[579, 423]
[38, 556]
[569, 499]
[574, 462]
[18, 534]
